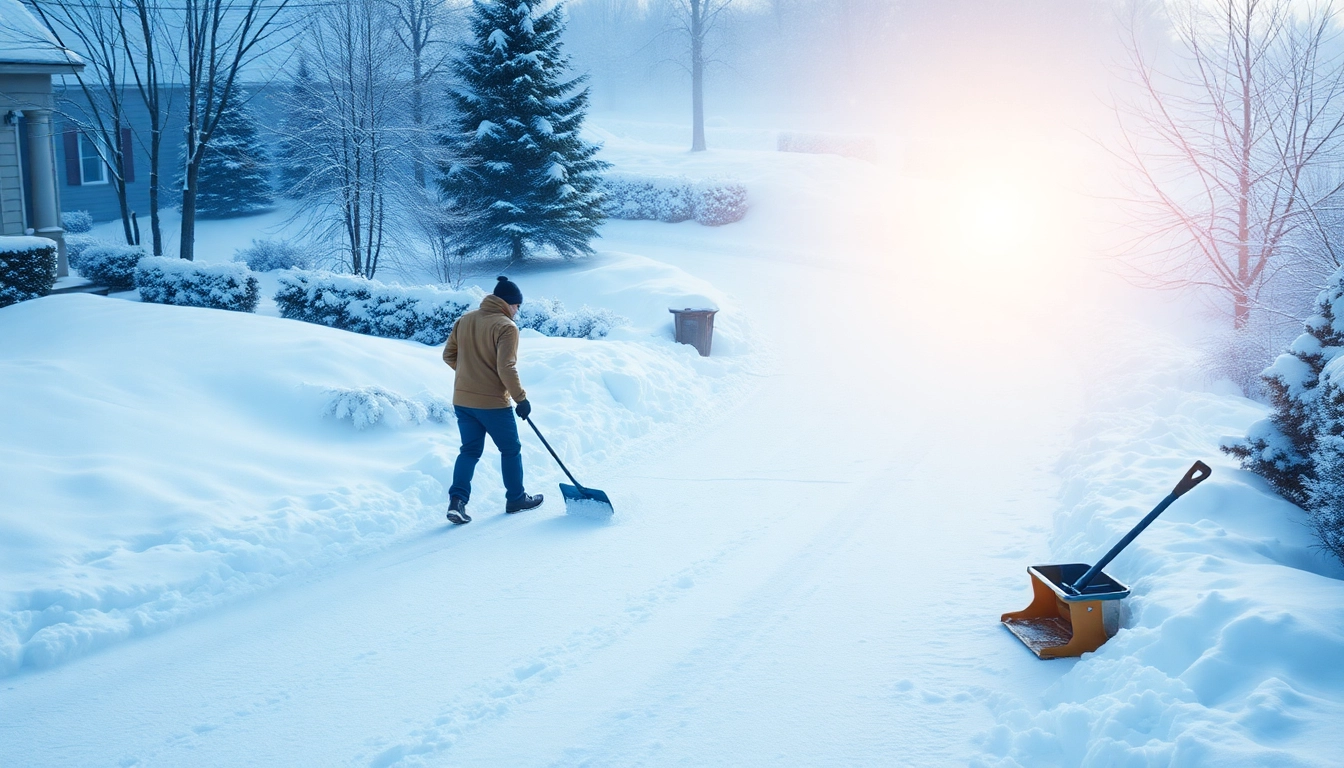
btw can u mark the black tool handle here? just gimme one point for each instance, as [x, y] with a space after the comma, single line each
[1197, 474]
[553, 456]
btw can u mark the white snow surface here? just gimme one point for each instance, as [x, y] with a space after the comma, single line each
[1231, 644]
[24, 243]
[816, 528]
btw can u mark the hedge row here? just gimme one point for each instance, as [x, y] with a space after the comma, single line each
[673, 199]
[422, 314]
[191, 284]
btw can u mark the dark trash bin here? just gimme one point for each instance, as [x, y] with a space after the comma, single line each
[695, 327]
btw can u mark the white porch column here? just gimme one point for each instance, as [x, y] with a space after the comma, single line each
[46, 211]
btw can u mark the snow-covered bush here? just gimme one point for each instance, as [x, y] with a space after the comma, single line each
[653, 198]
[268, 255]
[673, 199]
[27, 268]
[75, 245]
[192, 284]
[76, 222]
[549, 317]
[366, 406]
[720, 202]
[350, 303]
[424, 314]
[859, 147]
[108, 264]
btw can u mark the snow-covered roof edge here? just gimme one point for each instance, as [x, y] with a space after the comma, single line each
[26, 41]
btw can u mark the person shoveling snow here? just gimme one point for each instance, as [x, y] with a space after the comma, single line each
[483, 351]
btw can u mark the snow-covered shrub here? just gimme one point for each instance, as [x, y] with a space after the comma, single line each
[653, 198]
[76, 222]
[720, 202]
[268, 255]
[108, 264]
[673, 199]
[27, 268]
[367, 406]
[193, 284]
[859, 147]
[422, 314]
[75, 245]
[549, 317]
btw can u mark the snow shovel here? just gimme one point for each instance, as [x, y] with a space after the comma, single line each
[1064, 618]
[579, 501]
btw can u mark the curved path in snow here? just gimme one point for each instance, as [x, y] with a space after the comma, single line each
[813, 578]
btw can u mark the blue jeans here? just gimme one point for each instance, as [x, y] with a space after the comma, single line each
[502, 426]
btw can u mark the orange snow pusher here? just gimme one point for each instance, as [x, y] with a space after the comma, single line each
[1064, 618]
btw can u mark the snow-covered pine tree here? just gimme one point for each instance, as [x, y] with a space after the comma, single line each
[519, 170]
[1280, 448]
[1325, 486]
[234, 176]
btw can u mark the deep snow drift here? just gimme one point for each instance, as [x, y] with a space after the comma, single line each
[167, 459]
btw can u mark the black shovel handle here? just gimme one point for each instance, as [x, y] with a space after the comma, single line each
[1197, 474]
[553, 456]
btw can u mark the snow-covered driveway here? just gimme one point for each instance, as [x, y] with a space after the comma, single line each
[812, 577]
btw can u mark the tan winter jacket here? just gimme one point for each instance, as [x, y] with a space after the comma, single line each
[483, 349]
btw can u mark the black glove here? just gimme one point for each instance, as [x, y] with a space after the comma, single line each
[523, 409]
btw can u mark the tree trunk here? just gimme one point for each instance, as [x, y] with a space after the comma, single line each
[697, 76]
[120, 185]
[188, 239]
[155, 153]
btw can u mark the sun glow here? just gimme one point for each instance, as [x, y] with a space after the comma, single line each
[998, 220]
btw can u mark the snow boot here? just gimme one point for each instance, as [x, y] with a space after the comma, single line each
[525, 503]
[457, 512]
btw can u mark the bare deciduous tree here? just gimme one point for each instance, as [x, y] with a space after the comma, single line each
[221, 37]
[1234, 148]
[348, 131]
[696, 21]
[97, 32]
[423, 27]
[142, 36]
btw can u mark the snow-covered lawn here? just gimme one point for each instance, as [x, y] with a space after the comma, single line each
[816, 529]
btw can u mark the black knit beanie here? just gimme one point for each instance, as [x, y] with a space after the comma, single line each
[508, 290]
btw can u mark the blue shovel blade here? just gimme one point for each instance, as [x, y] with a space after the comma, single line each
[586, 502]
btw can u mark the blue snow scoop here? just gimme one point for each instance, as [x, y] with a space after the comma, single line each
[580, 501]
[1065, 615]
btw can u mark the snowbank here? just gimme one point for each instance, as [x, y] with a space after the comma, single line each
[1230, 647]
[162, 460]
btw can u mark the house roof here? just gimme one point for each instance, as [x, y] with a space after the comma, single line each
[26, 45]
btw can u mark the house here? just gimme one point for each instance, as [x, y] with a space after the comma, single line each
[29, 194]
[86, 181]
